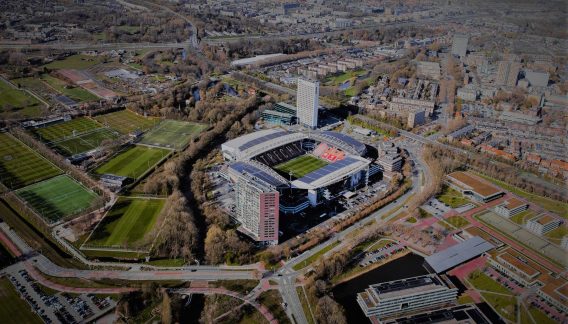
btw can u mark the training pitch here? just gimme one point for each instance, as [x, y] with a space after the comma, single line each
[172, 134]
[126, 223]
[134, 162]
[85, 142]
[57, 197]
[20, 166]
[66, 130]
[126, 121]
[301, 165]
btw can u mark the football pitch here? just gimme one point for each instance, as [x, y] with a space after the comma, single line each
[20, 165]
[126, 223]
[57, 197]
[301, 165]
[65, 130]
[134, 162]
[84, 142]
[172, 134]
[126, 121]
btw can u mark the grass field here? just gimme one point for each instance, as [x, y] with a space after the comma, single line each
[172, 134]
[65, 130]
[134, 162]
[301, 165]
[76, 93]
[457, 221]
[13, 309]
[74, 62]
[503, 305]
[523, 217]
[558, 207]
[18, 101]
[57, 197]
[336, 80]
[20, 166]
[127, 222]
[315, 256]
[84, 142]
[452, 197]
[125, 121]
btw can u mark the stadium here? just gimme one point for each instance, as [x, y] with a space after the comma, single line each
[307, 168]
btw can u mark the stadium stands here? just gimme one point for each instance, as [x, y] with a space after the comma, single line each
[281, 154]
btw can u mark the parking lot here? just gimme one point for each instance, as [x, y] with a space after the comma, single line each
[60, 307]
[382, 253]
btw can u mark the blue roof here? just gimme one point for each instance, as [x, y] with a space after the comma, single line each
[323, 171]
[360, 147]
[242, 167]
[262, 139]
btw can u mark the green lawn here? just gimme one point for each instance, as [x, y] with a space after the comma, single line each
[126, 121]
[305, 305]
[76, 93]
[78, 61]
[172, 134]
[558, 207]
[127, 222]
[457, 221]
[13, 309]
[301, 165]
[84, 142]
[557, 234]
[20, 165]
[57, 197]
[522, 217]
[452, 197]
[273, 301]
[67, 129]
[503, 305]
[380, 244]
[18, 101]
[338, 79]
[314, 257]
[540, 317]
[134, 162]
[481, 281]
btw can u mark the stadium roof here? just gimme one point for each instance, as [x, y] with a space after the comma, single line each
[358, 146]
[243, 167]
[331, 173]
[458, 254]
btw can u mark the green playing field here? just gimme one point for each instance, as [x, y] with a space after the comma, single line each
[57, 197]
[301, 165]
[20, 166]
[13, 309]
[126, 121]
[134, 162]
[126, 223]
[172, 134]
[61, 131]
[84, 142]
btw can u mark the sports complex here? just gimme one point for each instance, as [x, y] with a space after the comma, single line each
[306, 168]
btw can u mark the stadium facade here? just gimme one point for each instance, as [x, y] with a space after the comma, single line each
[305, 168]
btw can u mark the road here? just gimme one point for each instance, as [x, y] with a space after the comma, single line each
[99, 46]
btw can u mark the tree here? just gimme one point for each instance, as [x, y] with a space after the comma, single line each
[215, 245]
[166, 308]
[329, 312]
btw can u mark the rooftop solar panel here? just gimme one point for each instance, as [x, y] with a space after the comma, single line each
[347, 139]
[458, 254]
[321, 172]
[254, 171]
[262, 139]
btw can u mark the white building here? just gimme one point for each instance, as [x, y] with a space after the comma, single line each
[459, 45]
[257, 204]
[393, 298]
[511, 207]
[307, 102]
[543, 224]
[389, 158]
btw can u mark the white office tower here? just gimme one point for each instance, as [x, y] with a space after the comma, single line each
[307, 102]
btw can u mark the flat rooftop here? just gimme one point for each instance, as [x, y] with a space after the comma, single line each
[458, 254]
[543, 219]
[519, 262]
[481, 187]
[407, 286]
[514, 203]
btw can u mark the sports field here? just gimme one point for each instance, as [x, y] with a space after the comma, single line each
[172, 134]
[76, 93]
[133, 162]
[126, 223]
[126, 121]
[20, 165]
[14, 100]
[14, 309]
[57, 197]
[84, 142]
[301, 165]
[65, 130]
[78, 61]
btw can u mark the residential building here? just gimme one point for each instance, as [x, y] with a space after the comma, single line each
[459, 45]
[257, 209]
[394, 298]
[307, 103]
[406, 105]
[429, 70]
[511, 207]
[537, 79]
[416, 118]
[508, 73]
[543, 224]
